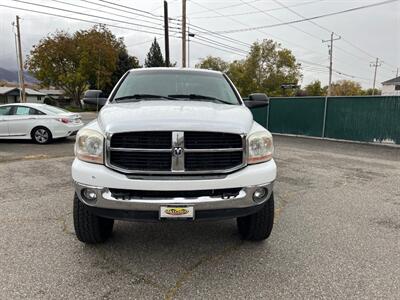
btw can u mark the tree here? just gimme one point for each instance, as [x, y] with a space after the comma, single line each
[125, 62]
[265, 69]
[314, 88]
[346, 88]
[154, 56]
[87, 58]
[213, 63]
[370, 90]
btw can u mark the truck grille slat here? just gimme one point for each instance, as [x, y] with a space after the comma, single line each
[211, 140]
[154, 152]
[142, 194]
[156, 140]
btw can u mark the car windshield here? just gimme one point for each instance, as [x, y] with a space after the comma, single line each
[176, 85]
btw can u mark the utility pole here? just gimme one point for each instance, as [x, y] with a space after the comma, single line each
[397, 72]
[166, 34]
[375, 64]
[188, 40]
[21, 69]
[183, 33]
[331, 60]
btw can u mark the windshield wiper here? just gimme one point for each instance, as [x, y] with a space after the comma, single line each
[143, 96]
[197, 96]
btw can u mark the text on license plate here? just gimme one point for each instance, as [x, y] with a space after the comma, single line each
[176, 212]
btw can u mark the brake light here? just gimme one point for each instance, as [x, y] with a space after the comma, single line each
[64, 120]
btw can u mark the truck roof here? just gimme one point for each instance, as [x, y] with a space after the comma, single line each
[189, 70]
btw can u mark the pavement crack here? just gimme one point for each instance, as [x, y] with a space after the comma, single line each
[32, 157]
[170, 294]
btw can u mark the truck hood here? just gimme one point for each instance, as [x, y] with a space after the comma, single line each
[175, 116]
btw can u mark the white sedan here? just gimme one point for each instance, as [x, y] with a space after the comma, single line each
[39, 122]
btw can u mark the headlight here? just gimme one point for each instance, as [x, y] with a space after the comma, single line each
[259, 147]
[89, 146]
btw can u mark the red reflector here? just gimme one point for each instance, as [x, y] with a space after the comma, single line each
[64, 120]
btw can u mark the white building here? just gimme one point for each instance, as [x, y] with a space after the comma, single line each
[391, 87]
[12, 95]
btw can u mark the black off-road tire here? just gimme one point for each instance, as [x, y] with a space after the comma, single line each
[90, 228]
[258, 226]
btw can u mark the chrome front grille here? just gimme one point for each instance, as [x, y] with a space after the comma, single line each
[166, 152]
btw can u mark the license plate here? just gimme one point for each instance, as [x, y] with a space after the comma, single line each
[176, 212]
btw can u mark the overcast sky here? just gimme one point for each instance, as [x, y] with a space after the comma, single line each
[366, 34]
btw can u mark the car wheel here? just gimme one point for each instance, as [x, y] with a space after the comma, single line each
[258, 226]
[90, 228]
[41, 135]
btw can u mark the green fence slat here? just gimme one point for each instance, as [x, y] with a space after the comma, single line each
[356, 118]
[368, 119]
[297, 115]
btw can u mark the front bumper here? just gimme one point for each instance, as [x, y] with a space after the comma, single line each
[101, 179]
[105, 199]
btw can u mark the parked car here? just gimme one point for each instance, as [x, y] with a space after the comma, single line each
[174, 144]
[40, 122]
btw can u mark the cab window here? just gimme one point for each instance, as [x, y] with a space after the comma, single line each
[5, 110]
[25, 111]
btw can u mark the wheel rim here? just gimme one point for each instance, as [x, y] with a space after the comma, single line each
[41, 136]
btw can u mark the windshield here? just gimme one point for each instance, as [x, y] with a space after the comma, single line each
[176, 85]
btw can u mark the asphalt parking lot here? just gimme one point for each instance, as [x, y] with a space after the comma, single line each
[336, 234]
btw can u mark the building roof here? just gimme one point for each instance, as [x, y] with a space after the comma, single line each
[6, 90]
[52, 92]
[392, 81]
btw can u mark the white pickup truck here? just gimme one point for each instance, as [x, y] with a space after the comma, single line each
[174, 144]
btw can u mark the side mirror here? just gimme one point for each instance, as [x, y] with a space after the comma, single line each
[257, 100]
[94, 97]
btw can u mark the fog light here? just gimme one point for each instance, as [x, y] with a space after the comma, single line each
[89, 194]
[260, 194]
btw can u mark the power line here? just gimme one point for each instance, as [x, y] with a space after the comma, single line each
[134, 9]
[220, 36]
[214, 47]
[280, 20]
[255, 11]
[111, 13]
[223, 7]
[237, 21]
[78, 19]
[306, 19]
[99, 10]
[85, 14]
[327, 30]
[221, 44]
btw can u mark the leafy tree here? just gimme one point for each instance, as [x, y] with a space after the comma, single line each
[74, 62]
[213, 63]
[346, 88]
[314, 89]
[369, 92]
[125, 62]
[154, 56]
[265, 69]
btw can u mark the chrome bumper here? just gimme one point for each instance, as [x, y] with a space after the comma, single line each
[105, 200]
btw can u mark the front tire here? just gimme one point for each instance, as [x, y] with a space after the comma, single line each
[90, 228]
[258, 226]
[41, 135]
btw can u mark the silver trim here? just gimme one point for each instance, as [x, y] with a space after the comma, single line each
[178, 143]
[106, 200]
[177, 164]
[139, 150]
